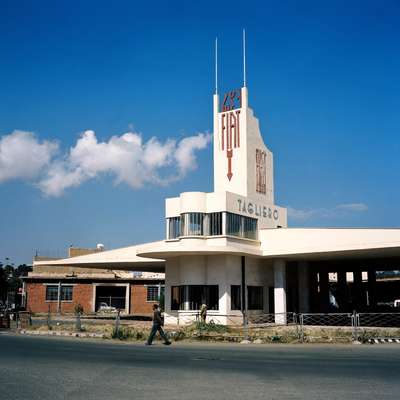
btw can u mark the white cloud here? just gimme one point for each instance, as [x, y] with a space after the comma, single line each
[59, 178]
[184, 154]
[127, 158]
[23, 156]
[298, 214]
[357, 207]
[341, 209]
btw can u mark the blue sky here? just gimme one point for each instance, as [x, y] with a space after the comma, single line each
[323, 79]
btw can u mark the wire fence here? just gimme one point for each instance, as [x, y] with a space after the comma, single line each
[326, 319]
[382, 320]
[189, 317]
[272, 319]
[290, 319]
[355, 324]
[302, 326]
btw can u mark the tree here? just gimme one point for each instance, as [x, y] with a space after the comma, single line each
[3, 284]
[10, 279]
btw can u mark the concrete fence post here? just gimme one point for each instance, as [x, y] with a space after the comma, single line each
[117, 322]
[301, 321]
[354, 323]
[245, 326]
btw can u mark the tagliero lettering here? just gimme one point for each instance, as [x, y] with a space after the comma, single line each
[257, 210]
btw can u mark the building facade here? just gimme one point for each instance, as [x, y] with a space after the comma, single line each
[60, 289]
[233, 251]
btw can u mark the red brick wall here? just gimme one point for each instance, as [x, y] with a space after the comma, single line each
[83, 294]
[36, 298]
[139, 303]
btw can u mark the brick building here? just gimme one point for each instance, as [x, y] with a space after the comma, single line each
[59, 289]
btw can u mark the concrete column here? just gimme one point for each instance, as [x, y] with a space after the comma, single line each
[304, 286]
[371, 287]
[324, 290]
[94, 286]
[280, 290]
[167, 228]
[342, 291]
[314, 305]
[127, 298]
[224, 223]
[59, 298]
[186, 297]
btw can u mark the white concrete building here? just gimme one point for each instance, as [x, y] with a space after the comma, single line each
[234, 243]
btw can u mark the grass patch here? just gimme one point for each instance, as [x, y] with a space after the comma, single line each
[127, 333]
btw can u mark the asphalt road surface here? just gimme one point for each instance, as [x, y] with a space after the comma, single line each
[39, 368]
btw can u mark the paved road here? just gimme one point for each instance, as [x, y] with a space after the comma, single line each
[41, 368]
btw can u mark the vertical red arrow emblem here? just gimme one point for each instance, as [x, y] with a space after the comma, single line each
[229, 155]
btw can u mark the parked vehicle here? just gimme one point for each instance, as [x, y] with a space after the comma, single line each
[104, 307]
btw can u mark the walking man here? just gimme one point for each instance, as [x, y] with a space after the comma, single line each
[157, 326]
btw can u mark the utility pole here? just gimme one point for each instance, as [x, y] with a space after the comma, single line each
[243, 298]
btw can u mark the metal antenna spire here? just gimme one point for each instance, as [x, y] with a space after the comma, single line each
[216, 65]
[244, 58]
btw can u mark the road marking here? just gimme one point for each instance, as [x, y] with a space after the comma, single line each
[383, 340]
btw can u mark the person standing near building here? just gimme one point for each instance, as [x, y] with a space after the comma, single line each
[157, 326]
[203, 313]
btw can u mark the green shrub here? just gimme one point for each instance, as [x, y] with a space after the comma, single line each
[179, 335]
[124, 333]
[204, 327]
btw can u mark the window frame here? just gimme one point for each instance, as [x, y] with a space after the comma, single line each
[239, 289]
[220, 223]
[62, 293]
[192, 224]
[209, 293]
[255, 306]
[241, 226]
[174, 227]
[47, 292]
[157, 287]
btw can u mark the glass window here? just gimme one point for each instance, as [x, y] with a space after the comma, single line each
[199, 224]
[250, 228]
[177, 302]
[233, 224]
[51, 292]
[66, 293]
[152, 293]
[212, 297]
[192, 224]
[194, 296]
[255, 297]
[174, 227]
[203, 294]
[215, 223]
[236, 303]
[239, 225]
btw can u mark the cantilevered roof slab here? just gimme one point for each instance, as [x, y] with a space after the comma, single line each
[288, 243]
[202, 246]
[125, 258]
[324, 243]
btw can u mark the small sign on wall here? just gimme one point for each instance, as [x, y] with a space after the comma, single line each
[261, 171]
[231, 100]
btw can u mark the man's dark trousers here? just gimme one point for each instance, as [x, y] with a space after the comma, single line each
[154, 329]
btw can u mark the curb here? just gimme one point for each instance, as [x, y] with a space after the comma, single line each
[383, 340]
[61, 333]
